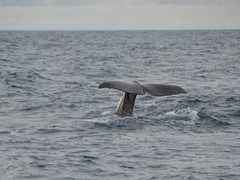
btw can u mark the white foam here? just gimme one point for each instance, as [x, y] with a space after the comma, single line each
[104, 113]
[186, 114]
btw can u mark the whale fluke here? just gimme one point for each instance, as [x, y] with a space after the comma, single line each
[162, 90]
[127, 101]
[133, 87]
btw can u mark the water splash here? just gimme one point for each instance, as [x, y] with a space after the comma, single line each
[187, 115]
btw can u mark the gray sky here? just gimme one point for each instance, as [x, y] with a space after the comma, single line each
[121, 14]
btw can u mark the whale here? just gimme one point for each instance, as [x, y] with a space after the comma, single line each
[132, 89]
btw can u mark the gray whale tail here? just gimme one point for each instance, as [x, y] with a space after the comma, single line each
[132, 89]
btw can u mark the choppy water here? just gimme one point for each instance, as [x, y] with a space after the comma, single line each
[56, 124]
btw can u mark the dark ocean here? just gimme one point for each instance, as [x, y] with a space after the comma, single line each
[56, 124]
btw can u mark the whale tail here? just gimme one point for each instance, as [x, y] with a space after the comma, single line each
[126, 104]
[127, 101]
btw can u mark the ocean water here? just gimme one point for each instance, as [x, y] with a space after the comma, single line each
[56, 124]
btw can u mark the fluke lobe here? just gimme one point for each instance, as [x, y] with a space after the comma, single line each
[132, 89]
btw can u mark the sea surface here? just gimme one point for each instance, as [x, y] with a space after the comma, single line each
[56, 124]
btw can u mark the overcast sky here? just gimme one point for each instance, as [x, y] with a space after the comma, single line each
[121, 14]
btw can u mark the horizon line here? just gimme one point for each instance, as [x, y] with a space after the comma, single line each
[125, 29]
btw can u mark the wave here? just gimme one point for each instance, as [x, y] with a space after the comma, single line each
[187, 115]
[4, 60]
[22, 76]
[182, 118]
[53, 130]
[190, 117]
[36, 107]
[120, 123]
